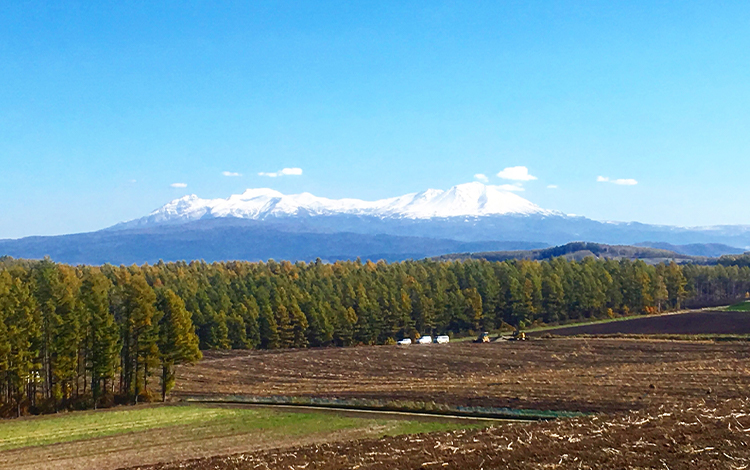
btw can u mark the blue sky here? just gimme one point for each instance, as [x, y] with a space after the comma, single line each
[105, 105]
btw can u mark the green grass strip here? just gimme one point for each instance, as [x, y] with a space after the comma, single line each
[198, 421]
[740, 307]
[86, 425]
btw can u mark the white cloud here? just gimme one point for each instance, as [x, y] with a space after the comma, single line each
[132, 181]
[516, 173]
[282, 172]
[230, 173]
[511, 187]
[481, 177]
[551, 186]
[179, 185]
[619, 181]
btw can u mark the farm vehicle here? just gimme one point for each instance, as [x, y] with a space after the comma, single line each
[484, 337]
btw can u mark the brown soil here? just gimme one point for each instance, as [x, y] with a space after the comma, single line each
[660, 404]
[688, 323]
[707, 434]
[599, 375]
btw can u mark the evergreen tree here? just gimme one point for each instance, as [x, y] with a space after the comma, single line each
[177, 342]
[18, 334]
[252, 328]
[269, 332]
[675, 283]
[284, 325]
[346, 318]
[473, 307]
[520, 303]
[236, 329]
[135, 309]
[102, 334]
[66, 329]
[298, 325]
[660, 293]
[553, 304]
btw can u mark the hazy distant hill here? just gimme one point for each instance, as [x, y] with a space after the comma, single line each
[581, 250]
[711, 250]
[218, 240]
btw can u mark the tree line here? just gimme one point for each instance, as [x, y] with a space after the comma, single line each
[735, 260]
[76, 337]
[80, 336]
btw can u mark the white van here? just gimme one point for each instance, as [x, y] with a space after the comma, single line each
[425, 340]
[442, 339]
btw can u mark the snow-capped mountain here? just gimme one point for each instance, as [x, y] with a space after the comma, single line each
[464, 200]
[262, 223]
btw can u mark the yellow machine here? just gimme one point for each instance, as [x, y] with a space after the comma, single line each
[519, 335]
[483, 337]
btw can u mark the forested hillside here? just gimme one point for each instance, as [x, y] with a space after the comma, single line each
[77, 336]
[735, 260]
[581, 250]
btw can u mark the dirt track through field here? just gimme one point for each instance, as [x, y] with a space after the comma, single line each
[361, 412]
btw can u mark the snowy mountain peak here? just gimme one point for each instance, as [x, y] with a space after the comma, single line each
[464, 200]
[470, 199]
[259, 192]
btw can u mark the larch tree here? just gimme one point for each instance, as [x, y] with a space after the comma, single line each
[19, 333]
[177, 342]
[102, 341]
[135, 307]
[269, 331]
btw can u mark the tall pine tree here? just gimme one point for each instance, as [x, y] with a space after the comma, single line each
[177, 342]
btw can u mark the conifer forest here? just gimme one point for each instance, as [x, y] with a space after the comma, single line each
[76, 337]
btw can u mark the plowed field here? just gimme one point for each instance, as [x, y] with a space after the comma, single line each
[703, 435]
[649, 404]
[659, 404]
[589, 375]
[689, 323]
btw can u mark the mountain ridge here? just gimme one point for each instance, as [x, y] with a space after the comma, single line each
[580, 250]
[463, 200]
[711, 250]
[227, 240]
[263, 223]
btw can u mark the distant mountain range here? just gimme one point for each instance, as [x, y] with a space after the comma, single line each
[464, 200]
[235, 239]
[262, 223]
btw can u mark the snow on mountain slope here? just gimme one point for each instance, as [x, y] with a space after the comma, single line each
[470, 199]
